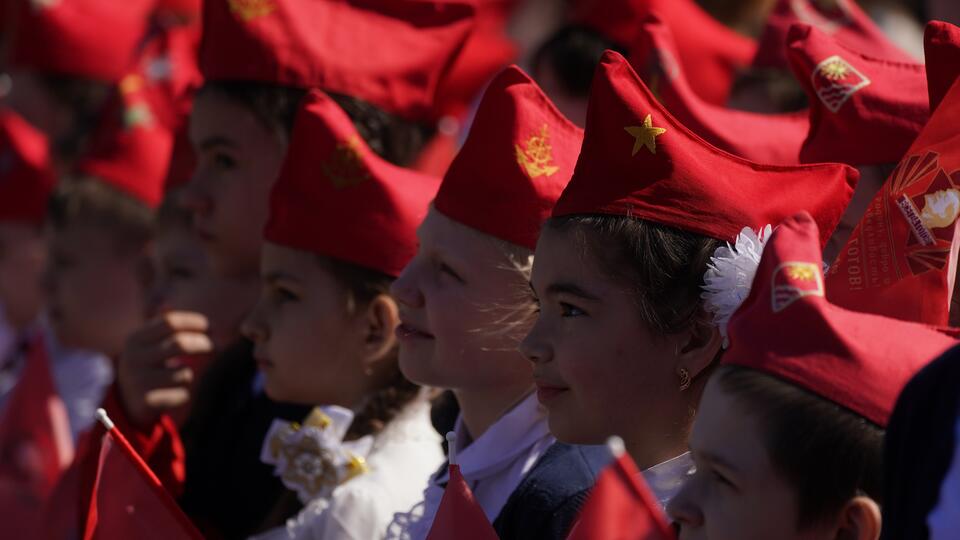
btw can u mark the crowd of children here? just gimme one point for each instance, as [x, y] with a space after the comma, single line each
[515, 269]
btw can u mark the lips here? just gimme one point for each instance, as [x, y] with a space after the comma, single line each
[407, 331]
[547, 392]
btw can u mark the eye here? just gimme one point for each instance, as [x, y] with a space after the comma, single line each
[570, 310]
[180, 273]
[719, 478]
[224, 161]
[283, 294]
[445, 269]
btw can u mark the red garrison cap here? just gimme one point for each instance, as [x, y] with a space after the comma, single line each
[637, 160]
[94, 39]
[847, 23]
[335, 197]
[941, 48]
[132, 147]
[863, 110]
[901, 259]
[765, 138]
[391, 53]
[26, 176]
[788, 329]
[517, 158]
[709, 52]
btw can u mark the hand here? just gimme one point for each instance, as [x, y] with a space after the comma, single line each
[155, 374]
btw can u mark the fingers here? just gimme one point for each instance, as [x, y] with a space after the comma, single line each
[170, 323]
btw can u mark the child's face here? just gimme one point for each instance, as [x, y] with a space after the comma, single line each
[185, 283]
[736, 493]
[599, 369]
[23, 254]
[461, 311]
[309, 347]
[97, 292]
[238, 159]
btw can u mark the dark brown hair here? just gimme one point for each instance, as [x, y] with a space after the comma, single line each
[573, 52]
[362, 285]
[90, 201]
[826, 452]
[395, 139]
[85, 99]
[663, 266]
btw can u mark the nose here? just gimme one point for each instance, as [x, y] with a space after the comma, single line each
[195, 198]
[254, 326]
[405, 289]
[534, 347]
[684, 508]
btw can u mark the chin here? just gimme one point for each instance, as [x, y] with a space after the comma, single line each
[570, 431]
[418, 367]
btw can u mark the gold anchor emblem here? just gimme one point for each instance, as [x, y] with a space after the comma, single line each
[345, 168]
[249, 10]
[538, 156]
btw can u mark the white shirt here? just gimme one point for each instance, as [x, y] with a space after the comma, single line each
[493, 466]
[944, 520]
[402, 458]
[665, 479]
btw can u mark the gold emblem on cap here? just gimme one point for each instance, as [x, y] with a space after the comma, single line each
[799, 279]
[249, 10]
[646, 135]
[538, 156]
[345, 167]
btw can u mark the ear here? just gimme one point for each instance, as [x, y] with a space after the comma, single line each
[697, 347]
[379, 325]
[859, 520]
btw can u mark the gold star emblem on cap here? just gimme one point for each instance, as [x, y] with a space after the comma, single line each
[646, 135]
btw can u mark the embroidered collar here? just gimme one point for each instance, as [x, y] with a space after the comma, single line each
[311, 458]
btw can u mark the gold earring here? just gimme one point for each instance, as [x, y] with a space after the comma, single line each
[684, 378]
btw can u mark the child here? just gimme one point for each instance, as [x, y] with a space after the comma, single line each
[464, 305]
[342, 225]
[789, 440]
[627, 335]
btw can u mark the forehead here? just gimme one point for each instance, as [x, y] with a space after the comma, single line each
[568, 255]
[214, 114]
[442, 234]
[724, 427]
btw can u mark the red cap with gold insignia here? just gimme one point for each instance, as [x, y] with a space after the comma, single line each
[709, 52]
[766, 138]
[391, 53]
[638, 161]
[941, 48]
[845, 22]
[902, 256]
[335, 197]
[517, 158]
[863, 110]
[26, 177]
[131, 148]
[788, 329]
[94, 39]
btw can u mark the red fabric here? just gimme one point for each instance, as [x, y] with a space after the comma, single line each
[391, 53]
[863, 110]
[128, 501]
[95, 39]
[189, 9]
[638, 161]
[788, 329]
[847, 23]
[941, 42]
[517, 158]
[901, 259]
[765, 138]
[26, 175]
[459, 516]
[435, 158]
[709, 52]
[331, 181]
[621, 506]
[35, 446]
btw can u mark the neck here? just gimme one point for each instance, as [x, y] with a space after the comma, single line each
[481, 408]
[646, 455]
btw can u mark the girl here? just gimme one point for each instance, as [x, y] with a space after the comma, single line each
[342, 225]
[789, 440]
[464, 305]
[626, 336]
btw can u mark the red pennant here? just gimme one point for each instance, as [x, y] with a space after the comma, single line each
[35, 446]
[459, 516]
[128, 500]
[621, 507]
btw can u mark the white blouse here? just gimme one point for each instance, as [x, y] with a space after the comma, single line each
[402, 458]
[665, 479]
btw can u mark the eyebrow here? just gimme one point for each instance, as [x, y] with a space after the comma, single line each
[720, 460]
[215, 141]
[275, 276]
[571, 289]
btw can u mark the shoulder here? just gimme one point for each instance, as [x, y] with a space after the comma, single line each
[549, 497]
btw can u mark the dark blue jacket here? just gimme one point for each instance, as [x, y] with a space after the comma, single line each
[548, 499]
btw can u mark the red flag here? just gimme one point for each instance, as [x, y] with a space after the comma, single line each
[128, 500]
[35, 445]
[459, 515]
[621, 507]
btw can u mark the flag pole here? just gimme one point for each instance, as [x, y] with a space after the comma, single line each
[452, 447]
[104, 419]
[616, 446]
